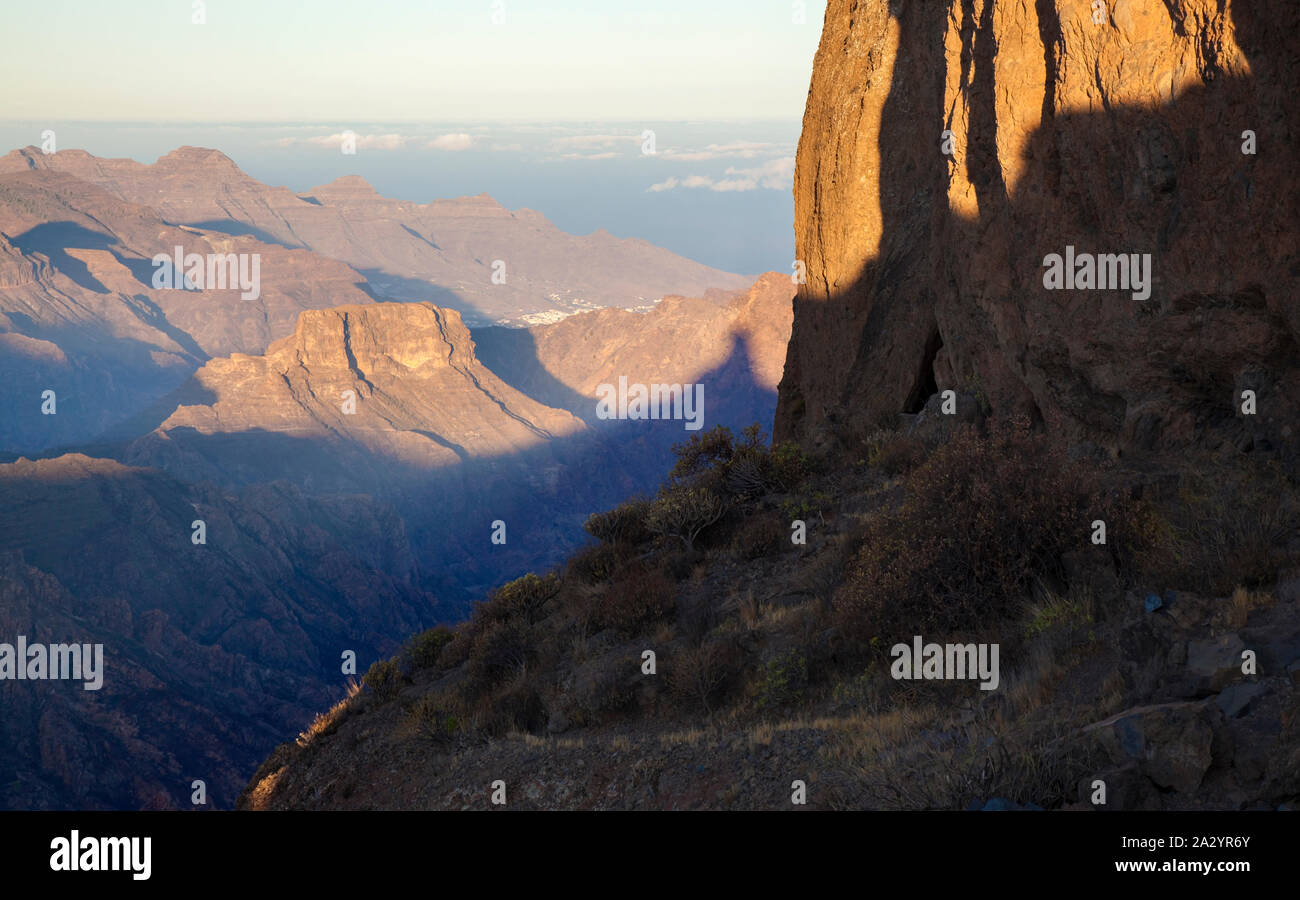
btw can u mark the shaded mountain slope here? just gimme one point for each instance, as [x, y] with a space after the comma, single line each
[563, 364]
[772, 660]
[209, 650]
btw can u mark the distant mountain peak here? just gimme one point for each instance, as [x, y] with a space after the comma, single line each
[481, 201]
[344, 184]
[202, 156]
[34, 157]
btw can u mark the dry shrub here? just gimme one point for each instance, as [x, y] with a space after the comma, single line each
[514, 706]
[604, 686]
[699, 675]
[950, 766]
[982, 519]
[761, 535]
[637, 597]
[592, 564]
[680, 564]
[327, 723]
[1241, 605]
[499, 649]
[895, 453]
[1230, 526]
[750, 608]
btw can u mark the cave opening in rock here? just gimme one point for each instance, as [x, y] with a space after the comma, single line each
[924, 385]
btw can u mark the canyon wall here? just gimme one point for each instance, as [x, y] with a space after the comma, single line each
[949, 147]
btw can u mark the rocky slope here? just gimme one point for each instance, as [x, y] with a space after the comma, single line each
[761, 680]
[1162, 663]
[210, 650]
[80, 315]
[926, 268]
[443, 251]
[734, 344]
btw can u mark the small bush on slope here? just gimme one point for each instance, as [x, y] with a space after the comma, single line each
[1233, 525]
[982, 520]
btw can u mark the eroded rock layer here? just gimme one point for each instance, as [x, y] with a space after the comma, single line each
[1131, 127]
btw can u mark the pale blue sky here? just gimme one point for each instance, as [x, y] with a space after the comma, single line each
[407, 60]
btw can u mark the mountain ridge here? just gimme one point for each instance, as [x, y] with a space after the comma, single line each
[437, 251]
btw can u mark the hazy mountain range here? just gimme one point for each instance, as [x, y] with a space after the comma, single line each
[442, 251]
[348, 455]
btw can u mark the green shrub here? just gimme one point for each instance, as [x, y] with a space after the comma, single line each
[806, 506]
[869, 690]
[624, 524]
[683, 512]
[700, 454]
[520, 600]
[422, 650]
[383, 678]
[790, 465]
[718, 462]
[781, 681]
[434, 718]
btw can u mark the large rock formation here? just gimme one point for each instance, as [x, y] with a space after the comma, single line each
[354, 399]
[1114, 128]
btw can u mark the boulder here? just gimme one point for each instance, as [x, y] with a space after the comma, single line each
[1171, 743]
[1215, 662]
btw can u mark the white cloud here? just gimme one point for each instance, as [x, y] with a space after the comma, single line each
[593, 141]
[460, 141]
[610, 154]
[775, 174]
[363, 141]
[742, 149]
